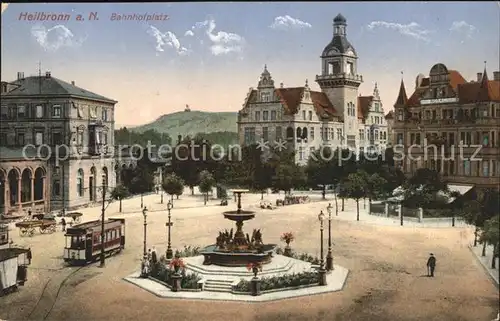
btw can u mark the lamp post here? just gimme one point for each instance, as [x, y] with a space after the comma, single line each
[103, 210]
[142, 203]
[169, 224]
[322, 272]
[145, 215]
[329, 257]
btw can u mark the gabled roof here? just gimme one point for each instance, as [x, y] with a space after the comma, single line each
[402, 97]
[467, 92]
[364, 106]
[48, 86]
[291, 98]
[390, 115]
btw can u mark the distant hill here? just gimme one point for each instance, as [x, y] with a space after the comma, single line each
[192, 123]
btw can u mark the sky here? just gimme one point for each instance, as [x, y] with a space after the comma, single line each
[207, 55]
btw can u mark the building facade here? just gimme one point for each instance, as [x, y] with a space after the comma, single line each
[451, 125]
[336, 116]
[38, 114]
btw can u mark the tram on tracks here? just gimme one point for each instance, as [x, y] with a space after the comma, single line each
[83, 241]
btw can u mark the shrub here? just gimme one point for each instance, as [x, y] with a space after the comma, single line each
[280, 282]
[188, 251]
[300, 256]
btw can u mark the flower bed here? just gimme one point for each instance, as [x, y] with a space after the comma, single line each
[161, 272]
[286, 282]
[300, 256]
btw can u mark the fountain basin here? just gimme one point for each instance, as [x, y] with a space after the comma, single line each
[212, 255]
[239, 215]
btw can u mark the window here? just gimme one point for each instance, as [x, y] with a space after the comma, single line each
[39, 111]
[451, 170]
[377, 107]
[56, 187]
[249, 135]
[265, 134]
[257, 116]
[279, 134]
[4, 112]
[57, 138]
[376, 135]
[79, 137]
[56, 111]
[311, 133]
[104, 114]
[265, 97]
[350, 68]
[417, 139]
[3, 139]
[310, 115]
[79, 182]
[399, 139]
[20, 139]
[38, 138]
[468, 138]
[467, 167]
[105, 138]
[434, 115]
[304, 115]
[273, 114]
[485, 139]
[486, 168]
[361, 134]
[79, 111]
[493, 144]
[339, 134]
[21, 111]
[265, 115]
[412, 138]
[93, 112]
[400, 115]
[451, 139]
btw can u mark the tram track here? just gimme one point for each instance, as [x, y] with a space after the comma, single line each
[43, 306]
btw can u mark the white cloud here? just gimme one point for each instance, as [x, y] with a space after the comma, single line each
[287, 22]
[222, 42]
[463, 28]
[189, 33]
[168, 38]
[412, 29]
[56, 37]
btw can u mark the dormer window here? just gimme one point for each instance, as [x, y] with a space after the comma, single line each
[350, 68]
[400, 115]
[377, 107]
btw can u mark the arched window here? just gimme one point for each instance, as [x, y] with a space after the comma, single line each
[79, 183]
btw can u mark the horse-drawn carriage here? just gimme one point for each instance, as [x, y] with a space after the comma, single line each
[28, 228]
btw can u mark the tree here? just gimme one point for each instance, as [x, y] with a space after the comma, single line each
[119, 193]
[319, 169]
[207, 182]
[288, 176]
[491, 235]
[355, 187]
[173, 185]
[140, 179]
[375, 187]
[425, 189]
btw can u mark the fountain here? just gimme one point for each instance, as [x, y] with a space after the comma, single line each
[238, 248]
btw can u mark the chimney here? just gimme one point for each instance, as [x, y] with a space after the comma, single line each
[479, 76]
[73, 82]
[496, 75]
[47, 74]
[20, 75]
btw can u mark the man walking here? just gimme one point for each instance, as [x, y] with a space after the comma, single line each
[431, 265]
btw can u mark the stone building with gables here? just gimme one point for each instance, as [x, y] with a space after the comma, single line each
[335, 116]
[449, 111]
[39, 113]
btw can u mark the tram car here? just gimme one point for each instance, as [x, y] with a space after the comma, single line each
[13, 268]
[83, 241]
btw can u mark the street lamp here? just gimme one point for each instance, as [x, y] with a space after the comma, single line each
[329, 257]
[145, 215]
[169, 225]
[142, 203]
[322, 272]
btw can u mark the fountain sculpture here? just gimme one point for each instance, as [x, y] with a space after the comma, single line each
[235, 248]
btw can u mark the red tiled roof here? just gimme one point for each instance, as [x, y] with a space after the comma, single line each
[291, 97]
[467, 92]
[364, 106]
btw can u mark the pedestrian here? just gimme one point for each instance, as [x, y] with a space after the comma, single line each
[431, 265]
[63, 223]
[149, 255]
[154, 257]
[29, 256]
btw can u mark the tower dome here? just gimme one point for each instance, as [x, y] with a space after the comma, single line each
[339, 45]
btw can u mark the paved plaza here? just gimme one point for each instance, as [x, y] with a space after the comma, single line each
[386, 266]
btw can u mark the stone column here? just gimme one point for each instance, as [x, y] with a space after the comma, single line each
[32, 191]
[44, 191]
[6, 195]
[19, 184]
